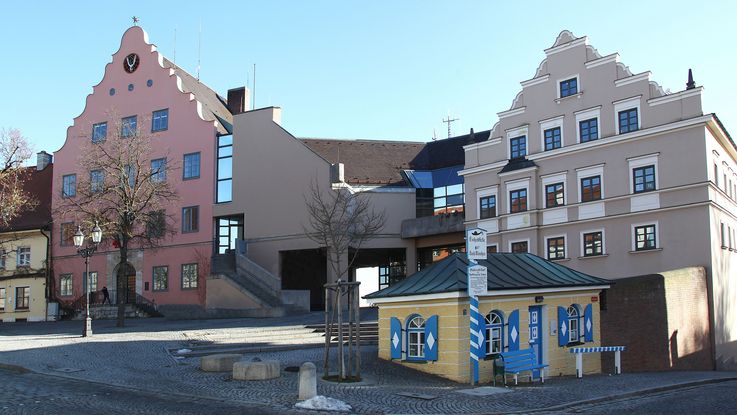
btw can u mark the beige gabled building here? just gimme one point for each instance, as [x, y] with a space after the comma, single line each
[605, 171]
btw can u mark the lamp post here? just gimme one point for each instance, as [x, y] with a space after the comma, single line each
[86, 253]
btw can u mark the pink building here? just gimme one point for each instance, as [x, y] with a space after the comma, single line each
[141, 89]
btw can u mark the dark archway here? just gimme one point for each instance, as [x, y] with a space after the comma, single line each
[126, 284]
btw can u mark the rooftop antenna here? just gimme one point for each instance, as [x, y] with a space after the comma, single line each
[254, 86]
[434, 135]
[175, 46]
[199, 51]
[448, 120]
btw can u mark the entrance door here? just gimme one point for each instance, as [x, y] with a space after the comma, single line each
[131, 291]
[536, 329]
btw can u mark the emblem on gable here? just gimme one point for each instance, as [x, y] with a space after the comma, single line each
[131, 63]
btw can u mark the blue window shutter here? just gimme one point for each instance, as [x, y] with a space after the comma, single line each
[395, 338]
[513, 331]
[431, 338]
[588, 323]
[562, 326]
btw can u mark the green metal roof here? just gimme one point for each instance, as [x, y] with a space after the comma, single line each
[505, 271]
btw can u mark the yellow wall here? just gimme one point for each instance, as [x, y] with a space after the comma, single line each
[453, 332]
[33, 276]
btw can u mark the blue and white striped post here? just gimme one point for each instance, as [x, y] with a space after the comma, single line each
[476, 249]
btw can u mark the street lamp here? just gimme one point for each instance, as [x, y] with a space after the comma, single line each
[86, 253]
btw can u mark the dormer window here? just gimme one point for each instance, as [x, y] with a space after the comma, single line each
[568, 87]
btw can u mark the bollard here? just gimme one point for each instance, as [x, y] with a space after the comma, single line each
[307, 381]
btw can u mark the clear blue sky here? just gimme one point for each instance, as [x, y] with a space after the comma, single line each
[349, 69]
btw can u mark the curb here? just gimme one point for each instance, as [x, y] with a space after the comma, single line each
[14, 368]
[607, 398]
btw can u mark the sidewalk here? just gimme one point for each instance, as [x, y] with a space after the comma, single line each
[136, 358]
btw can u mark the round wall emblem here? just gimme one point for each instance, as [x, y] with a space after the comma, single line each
[131, 63]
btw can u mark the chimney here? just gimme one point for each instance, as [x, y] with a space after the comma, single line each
[690, 84]
[238, 100]
[43, 159]
[337, 173]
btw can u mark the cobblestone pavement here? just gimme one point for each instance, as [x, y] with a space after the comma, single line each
[136, 357]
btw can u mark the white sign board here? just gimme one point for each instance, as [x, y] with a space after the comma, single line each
[476, 243]
[477, 284]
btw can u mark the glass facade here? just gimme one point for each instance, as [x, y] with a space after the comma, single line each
[225, 169]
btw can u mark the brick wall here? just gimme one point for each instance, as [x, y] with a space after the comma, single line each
[663, 319]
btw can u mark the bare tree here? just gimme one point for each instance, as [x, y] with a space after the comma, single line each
[14, 199]
[125, 192]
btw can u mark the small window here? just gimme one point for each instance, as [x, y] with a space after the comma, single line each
[24, 256]
[552, 138]
[488, 207]
[557, 248]
[129, 126]
[99, 132]
[628, 121]
[491, 249]
[568, 87]
[191, 168]
[518, 201]
[554, 195]
[574, 327]
[160, 120]
[158, 170]
[724, 234]
[519, 247]
[156, 224]
[645, 238]
[590, 188]
[716, 175]
[518, 147]
[190, 219]
[65, 285]
[494, 333]
[2, 299]
[593, 244]
[160, 278]
[189, 276]
[97, 181]
[643, 179]
[69, 185]
[416, 338]
[22, 298]
[589, 130]
[67, 234]
[3, 255]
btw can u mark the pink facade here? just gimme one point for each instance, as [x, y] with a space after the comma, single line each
[154, 85]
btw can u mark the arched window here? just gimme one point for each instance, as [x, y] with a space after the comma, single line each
[416, 338]
[574, 326]
[494, 332]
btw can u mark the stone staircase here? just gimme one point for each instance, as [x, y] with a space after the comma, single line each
[110, 312]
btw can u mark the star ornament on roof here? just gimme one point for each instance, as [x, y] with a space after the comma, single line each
[135, 20]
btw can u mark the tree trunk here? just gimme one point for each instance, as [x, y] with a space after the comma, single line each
[122, 268]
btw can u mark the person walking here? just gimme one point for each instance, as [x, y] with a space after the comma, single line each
[105, 295]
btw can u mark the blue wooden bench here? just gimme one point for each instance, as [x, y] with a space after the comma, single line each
[515, 362]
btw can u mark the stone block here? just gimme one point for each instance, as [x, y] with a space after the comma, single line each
[219, 362]
[256, 370]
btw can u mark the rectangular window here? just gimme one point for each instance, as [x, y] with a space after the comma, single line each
[69, 185]
[67, 234]
[225, 169]
[2, 299]
[568, 87]
[22, 298]
[592, 244]
[160, 278]
[590, 188]
[557, 248]
[156, 224]
[24, 256]
[491, 249]
[129, 176]
[628, 121]
[158, 170]
[716, 175]
[91, 281]
[3, 255]
[160, 120]
[643, 179]
[190, 219]
[519, 247]
[129, 126]
[552, 138]
[416, 344]
[724, 234]
[488, 207]
[99, 132]
[589, 130]
[517, 147]
[645, 238]
[97, 181]
[554, 195]
[448, 199]
[518, 201]
[191, 168]
[65, 285]
[189, 276]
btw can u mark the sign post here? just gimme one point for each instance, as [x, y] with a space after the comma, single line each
[477, 285]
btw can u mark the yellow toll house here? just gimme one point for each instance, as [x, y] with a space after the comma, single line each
[530, 303]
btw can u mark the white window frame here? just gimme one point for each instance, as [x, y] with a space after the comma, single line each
[565, 246]
[590, 171]
[495, 245]
[553, 179]
[633, 244]
[23, 257]
[603, 242]
[548, 124]
[416, 336]
[517, 241]
[627, 104]
[517, 132]
[489, 327]
[579, 90]
[578, 319]
[486, 192]
[512, 186]
[642, 161]
[588, 114]
[71, 285]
